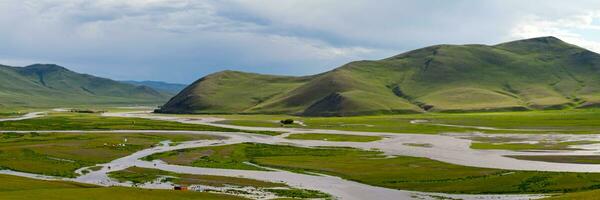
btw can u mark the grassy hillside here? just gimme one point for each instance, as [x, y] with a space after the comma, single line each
[229, 91]
[538, 73]
[53, 85]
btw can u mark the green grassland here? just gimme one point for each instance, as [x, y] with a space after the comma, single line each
[587, 195]
[139, 175]
[573, 121]
[60, 154]
[370, 167]
[17, 188]
[77, 121]
[333, 137]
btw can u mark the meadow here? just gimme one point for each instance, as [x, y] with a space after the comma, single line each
[60, 154]
[571, 121]
[79, 121]
[370, 167]
[18, 188]
[138, 175]
[587, 195]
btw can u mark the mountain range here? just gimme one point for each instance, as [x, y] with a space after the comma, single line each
[530, 74]
[53, 85]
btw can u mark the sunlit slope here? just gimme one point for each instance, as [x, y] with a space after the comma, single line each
[231, 91]
[52, 85]
[538, 73]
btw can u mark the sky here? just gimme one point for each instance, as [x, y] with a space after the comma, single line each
[180, 41]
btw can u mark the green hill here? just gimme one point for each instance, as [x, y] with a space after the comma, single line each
[53, 85]
[538, 73]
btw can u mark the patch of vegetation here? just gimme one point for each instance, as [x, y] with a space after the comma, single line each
[400, 172]
[333, 137]
[578, 159]
[8, 115]
[139, 175]
[60, 154]
[425, 145]
[95, 168]
[542, 145]
[86, 111]
[299, 193]
[587, 195]
[10, 183]
[232, 156]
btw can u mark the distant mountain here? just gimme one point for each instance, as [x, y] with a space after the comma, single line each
[172, 88]
[538, 73]
[53, 85]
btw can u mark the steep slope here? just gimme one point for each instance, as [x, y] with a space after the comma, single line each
[229, 91]
[538, 73]
[53, 85]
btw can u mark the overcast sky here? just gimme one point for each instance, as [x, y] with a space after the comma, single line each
[182, 40]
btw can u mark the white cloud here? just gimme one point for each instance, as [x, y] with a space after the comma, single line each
[568, 28]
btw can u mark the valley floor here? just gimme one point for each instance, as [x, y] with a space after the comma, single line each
[380, 165]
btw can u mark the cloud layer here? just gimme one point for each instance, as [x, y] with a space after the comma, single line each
[181, 40]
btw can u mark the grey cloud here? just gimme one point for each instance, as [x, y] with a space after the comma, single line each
[181, 40]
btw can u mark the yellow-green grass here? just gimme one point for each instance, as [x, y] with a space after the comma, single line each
[542, 145]
[587, 195]
[114, 193]
[333, 137]
[11, 112]
[10, 183]
[299, 193]
[370, 167]
[138, 175]
[78, 121]
[573, 121]
[17, 188]
[578, 159]
[470, 99]
[60, 154]
[228, 156]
